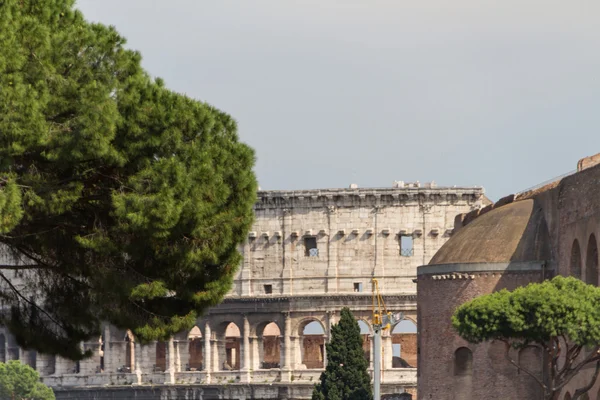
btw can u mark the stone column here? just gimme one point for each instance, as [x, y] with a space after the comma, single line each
[371, 352]
[207, 352]
[287, 275]
[246, 350]
[245, 278]
[139, 362]
[177, 356]
[255, 342]
[287, 353]
[170, 361]
[388, 352]
[108, 356]
[332, 249]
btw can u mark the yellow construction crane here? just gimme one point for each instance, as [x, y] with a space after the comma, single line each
[382, 319]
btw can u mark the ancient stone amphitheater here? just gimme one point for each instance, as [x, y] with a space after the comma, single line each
[309, 254]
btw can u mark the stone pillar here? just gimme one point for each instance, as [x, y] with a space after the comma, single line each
[207, 352]
[246, 350]
[177, 356]
[287, 256]
[388, 352]
[108, 356]
[371, 352]
[139, 362]
[256, 344]
[332, 250]
[287, 355]
[170, 361]
[245, 277]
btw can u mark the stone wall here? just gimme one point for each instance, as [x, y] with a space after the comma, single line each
[309, 253]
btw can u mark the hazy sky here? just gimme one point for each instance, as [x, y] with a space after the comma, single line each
[503, 94]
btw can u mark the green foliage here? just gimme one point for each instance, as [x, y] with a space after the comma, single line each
[130, 200]
[534, 314]
[560, 316]
[21, 382]
[346, 376]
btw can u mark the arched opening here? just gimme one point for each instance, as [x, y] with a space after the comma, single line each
[591, 262]
[160, 365]
[232, 347]
[575, 265]
[463, 362]
[2, 348]
[31, 358]
[101, 352]
[567, 396]
[313, 345]
[365, 333]
[404, 345]
[271, 346]
[12, 348]
[195, 350]
[129, 352]
[49, 364]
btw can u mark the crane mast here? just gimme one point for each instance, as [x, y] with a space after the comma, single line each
[382, 319]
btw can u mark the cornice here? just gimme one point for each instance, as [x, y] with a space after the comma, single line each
[322, 297]
[329, 198]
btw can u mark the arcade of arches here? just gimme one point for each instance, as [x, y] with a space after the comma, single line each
[222, 346]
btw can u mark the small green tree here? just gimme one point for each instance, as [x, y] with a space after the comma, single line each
[561, 316]
[346, 376]
[21, 382]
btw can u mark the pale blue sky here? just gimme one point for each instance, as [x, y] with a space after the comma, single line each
[501, 94]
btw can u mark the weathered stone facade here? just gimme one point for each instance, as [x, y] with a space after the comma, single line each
[309, 254]
[523, 238]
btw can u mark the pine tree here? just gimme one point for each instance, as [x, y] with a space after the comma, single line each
[127, 201]
[346, 376]
[21, 382]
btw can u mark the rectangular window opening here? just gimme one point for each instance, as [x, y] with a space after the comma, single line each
[310, 247]
[358, 287]
[269, 289]
[406, 246]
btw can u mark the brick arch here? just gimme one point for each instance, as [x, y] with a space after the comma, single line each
[219, 324]
[305, 321]
[575, 263]
[270, 345]
[591, 261]
[259, 329]
[367, 324]
[463, 362]
[195, 349]
[312, 346]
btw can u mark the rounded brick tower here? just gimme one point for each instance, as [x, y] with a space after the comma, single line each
[506, 247]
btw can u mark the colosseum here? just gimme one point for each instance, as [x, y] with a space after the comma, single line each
[309, 253]
[528, 237]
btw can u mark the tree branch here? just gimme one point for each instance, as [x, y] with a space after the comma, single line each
[587, 387]
[20, 295]
[538, 380]
[593, 356]
[21, 267]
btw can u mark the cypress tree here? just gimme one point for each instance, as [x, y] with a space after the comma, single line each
[346, 376]
[127, 201]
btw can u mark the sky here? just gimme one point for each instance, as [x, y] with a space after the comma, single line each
[499, 94]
